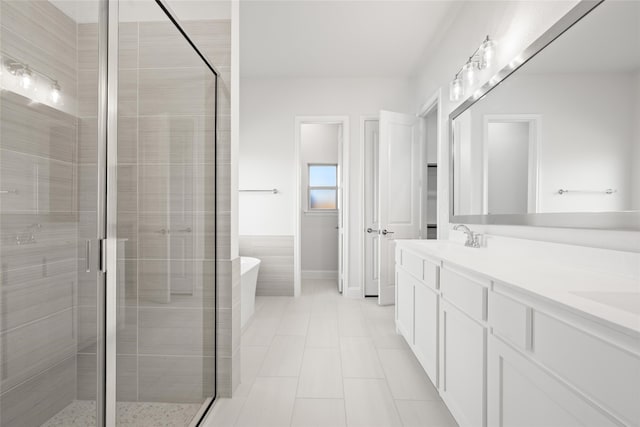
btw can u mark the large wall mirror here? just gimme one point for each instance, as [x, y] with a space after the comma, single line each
[554, 138]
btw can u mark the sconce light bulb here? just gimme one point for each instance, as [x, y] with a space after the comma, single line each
[455, 89]
[487, 51]
[55, 93]
[25, 79]
[469, 72]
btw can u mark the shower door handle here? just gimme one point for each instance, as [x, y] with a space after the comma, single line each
[88, 256]
[103, 256]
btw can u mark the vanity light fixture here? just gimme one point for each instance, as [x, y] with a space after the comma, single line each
[487, 51]
[456, 89]
[466, 75]
[55, 92]
[28, 79]
[469, 72]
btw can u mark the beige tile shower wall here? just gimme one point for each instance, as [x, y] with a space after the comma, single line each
[38, 282]
[275, 277]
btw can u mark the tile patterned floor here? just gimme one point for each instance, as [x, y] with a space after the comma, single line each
[322, 360]
[129, 414]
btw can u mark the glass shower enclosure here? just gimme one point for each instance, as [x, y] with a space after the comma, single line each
[107, 215]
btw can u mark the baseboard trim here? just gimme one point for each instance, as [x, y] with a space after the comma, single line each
[319, 274]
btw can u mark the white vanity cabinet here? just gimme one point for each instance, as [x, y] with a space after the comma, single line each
[502, 355]
[417, 308]
[426, 318]
[522, 393]
[547, 366]
[463, 344]
[405, 304]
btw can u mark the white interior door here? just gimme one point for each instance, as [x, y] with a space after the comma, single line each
[399, 193]
[371, 223]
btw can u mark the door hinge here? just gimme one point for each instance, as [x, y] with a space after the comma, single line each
[103, 255]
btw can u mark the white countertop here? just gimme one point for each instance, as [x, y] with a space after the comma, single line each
[610, 298]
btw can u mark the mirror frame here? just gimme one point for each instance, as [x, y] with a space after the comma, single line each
[623, 220]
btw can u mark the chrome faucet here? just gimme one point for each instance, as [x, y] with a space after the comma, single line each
[472, 238]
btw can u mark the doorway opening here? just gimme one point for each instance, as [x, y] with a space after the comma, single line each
[320, 235]
[430, 135]
[510, 163]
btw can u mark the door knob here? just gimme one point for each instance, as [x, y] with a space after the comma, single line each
[371, 230]
[385, 232]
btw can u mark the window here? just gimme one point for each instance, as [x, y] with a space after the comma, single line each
[323, 187]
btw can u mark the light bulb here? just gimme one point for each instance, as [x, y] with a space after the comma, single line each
[487, 51]
[469, 72]
[26, 79]
[455, 89]
[55, 93]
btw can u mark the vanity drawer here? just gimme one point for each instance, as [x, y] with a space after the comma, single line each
[467, 293]
[431, 274]
[412, 263]
[602, 371]
[510, 320]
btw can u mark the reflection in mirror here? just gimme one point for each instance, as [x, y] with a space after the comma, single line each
[562, 133]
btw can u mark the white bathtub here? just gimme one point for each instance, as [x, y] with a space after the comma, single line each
[248, 278]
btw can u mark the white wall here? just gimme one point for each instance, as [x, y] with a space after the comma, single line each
[268, 107]
[514, 25]
[319, 143]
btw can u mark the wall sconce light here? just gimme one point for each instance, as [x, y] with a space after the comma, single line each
[28, 79]
[455, 89]
[466, 75]
[55, 92]
[469, 72]
[487, 51]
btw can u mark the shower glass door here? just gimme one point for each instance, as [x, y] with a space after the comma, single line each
[165, 221]
[50, 221]
[134, 346]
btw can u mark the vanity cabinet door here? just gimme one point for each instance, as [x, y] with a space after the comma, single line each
[404, 301]
[462, 356]
[522, 394]
[426, 330]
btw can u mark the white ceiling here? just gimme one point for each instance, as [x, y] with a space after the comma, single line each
[333, 39]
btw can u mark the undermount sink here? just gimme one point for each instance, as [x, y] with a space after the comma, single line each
[627, 301]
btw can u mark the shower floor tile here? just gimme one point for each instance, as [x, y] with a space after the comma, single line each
[130, 414]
